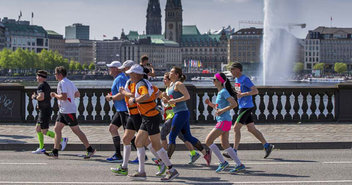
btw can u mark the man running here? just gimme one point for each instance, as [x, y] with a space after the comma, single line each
[121, 115]
[66, 94]
[44, 116]
[245, 90]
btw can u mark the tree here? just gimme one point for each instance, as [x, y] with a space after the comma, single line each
[91, 66]
[72, 66]
[78, 66]
[85, 66]
[319, 66]
[299, 66]
[228, 66]
[340, 67]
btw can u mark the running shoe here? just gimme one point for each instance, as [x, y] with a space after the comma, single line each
[170, 175]
[90, 154]
[194, 158]
[222, 166]
[38, 151]
[52, 155]
[162, 170]
[238, 169]
[120, 171]
[139, 176]
[207, 157]
[64, 143]
[268, 150]
[115, 159]
[136, 161]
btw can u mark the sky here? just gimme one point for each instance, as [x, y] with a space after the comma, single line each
[109, 17]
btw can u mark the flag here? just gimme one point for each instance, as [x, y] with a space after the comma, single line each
[331, 18]
[184, 63]
[104, 35]
[20, 13]
[198, 63]
[32, 14]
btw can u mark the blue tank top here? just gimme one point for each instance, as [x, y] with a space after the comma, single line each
[180, 106]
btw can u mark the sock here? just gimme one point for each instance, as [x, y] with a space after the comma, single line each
[141, 158]
[163, 156]
[266, 145]
[41, 140]
[126, 155]
[90, 149]
[151, 149]
[133, 143]
[233, 155]
[51, 134]
[193, 152]
[217, 152]
[117, 145]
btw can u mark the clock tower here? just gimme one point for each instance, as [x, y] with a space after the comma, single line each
[173, 20]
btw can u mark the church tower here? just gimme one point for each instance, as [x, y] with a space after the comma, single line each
[173, 20]
[153, 26]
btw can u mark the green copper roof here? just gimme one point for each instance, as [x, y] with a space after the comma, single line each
[24, 29]
[156, 39]
[190, 30]
[51, 32]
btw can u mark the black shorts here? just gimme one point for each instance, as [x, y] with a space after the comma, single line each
[134, 122]
[44, 117]
[245, 116]
[67, 119]
[151, 124]
[120, 118]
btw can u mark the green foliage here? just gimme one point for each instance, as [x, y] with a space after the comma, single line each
[91, 66]
[299, 66]
[228, 66]
[28, 62]
[319, 66]
[340, 67]
[78, 66]
[85, 66]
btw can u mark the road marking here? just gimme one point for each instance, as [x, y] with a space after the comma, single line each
[289, 163]
[337, 162]
[23, 163]
[175, 182]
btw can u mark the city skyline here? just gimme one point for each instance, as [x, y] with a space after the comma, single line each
[109, 17]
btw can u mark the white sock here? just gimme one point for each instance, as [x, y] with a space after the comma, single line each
[126, 155]
[151, 149]
[233, 155]
[141, 158]
[163, 156]
[217, 152]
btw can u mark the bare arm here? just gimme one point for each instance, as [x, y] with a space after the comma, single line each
[62, 96]
[232, 105]
[77, 94]
[40, 96]
[253, 91]
[183, 90]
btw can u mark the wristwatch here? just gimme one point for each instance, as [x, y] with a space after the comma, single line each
[110, 97]
[134, 100]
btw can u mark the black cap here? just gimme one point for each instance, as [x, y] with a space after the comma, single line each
[42, 73]
[237, 65]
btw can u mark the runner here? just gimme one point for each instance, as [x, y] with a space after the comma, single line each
[245, 89]
[121, 115]
[178, 95]
[166, 127]
[224, 103]
[66, 94]
[150, 123]
[44, 116]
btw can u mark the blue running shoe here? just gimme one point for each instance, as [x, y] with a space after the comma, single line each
[222, 166]
[136, 161]
[194, 158]
[238, 169]
[114, 159]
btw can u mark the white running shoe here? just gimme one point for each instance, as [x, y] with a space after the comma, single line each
[38, 151]
[64, 143]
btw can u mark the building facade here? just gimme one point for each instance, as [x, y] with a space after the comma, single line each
[56, 42]
[173, 20]
[77, 31]
[20, 34]
[328, 45]
[153, 26]
[79, 50]
[209, 50]
[163, 54]
[107, 50]
[2, 36]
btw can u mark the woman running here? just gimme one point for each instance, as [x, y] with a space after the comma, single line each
[224, 103]
[178, 95]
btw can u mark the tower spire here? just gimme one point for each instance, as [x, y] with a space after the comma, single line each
[153, 26]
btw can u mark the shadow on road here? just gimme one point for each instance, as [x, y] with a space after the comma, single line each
[13, 139]
[263, 174]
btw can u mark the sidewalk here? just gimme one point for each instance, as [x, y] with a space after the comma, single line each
[284, 136]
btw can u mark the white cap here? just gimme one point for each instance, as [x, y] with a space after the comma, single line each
[127, 63]
[116, 64]
[136, 68]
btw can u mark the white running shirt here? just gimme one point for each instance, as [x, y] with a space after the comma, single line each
[67, 106]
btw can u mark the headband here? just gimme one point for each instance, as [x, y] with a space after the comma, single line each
[218, 77]
[41, 75]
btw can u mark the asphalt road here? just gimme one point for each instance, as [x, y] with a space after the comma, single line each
[282, 167]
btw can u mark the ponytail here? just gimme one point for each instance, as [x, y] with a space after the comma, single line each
[227, 85]
[182, 78]
[178, 71]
